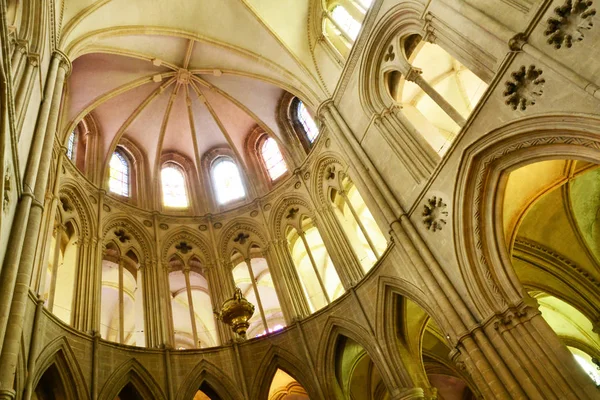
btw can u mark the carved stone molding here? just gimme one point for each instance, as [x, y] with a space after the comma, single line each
[569, 23]
[524, 88]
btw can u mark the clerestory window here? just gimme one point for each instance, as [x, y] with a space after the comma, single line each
[119, 181]
[227, 181]
[173, 186]
[273, 159]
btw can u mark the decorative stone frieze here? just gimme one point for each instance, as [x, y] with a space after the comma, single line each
[524, 88]
[569, 23]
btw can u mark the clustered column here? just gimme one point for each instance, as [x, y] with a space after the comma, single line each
[18, 264]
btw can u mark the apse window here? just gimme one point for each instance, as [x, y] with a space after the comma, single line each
[273, 159]
[72, 146]
[173, 187]
[119, 175]
[345, 22]
[227, 181]
[308, 123]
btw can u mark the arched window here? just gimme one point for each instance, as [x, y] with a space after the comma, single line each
[317, 273]
[59, 282]
[191, 305]
[311, 131]
[227, 181]
[342, 23]
[122, 304]
[173, 186]
[273, 159]
[345, 21]
[118, 181]
[72, 146]
[359, 226]
[440, 97]
[253, 277]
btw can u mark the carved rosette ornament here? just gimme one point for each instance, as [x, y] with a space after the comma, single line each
[236, 312]
[7, 189]
[526, 85]
[435, 213]
[570, 22]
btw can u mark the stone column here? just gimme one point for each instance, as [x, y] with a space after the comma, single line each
[23, 93]
[280, 285]
[33, 349]
[359, 223]
[289, 274]
[413, 151]
[121, 305]
[83, 277]
[257, 294]
[188, 290]
[338, 247]
[476, 349]
[415, 76]
[156, 295]
[58, 231]
[166, 301]
[18, 264]
[218, 296]
[314, 265]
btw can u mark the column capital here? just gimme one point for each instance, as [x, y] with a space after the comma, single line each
[64, 60]
[413, 74]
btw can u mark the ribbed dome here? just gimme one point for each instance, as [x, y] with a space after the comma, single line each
[191, 100]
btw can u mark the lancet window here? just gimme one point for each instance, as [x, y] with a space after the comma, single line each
[122, 308]
[253, 277]
[358, 224]
[193, 319]
[317, 273]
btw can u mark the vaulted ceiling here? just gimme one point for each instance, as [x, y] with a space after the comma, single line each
[184, 76]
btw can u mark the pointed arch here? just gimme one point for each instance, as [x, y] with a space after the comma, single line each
[80, 205]
[132, 372]
[337, 327]
[278, 358]
[247, 226]
[59, 353]
[478, 200]
[391, 295]
[206, 372]
[133, 227]
[278, 217]
[186, 234]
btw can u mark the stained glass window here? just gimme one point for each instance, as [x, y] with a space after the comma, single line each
[273, 159]
[119, 175]
[72, 146]
[310, 128]
[227, 181]
[173, 187]
[345, 21]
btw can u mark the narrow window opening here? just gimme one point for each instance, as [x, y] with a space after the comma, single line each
[119, 175]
